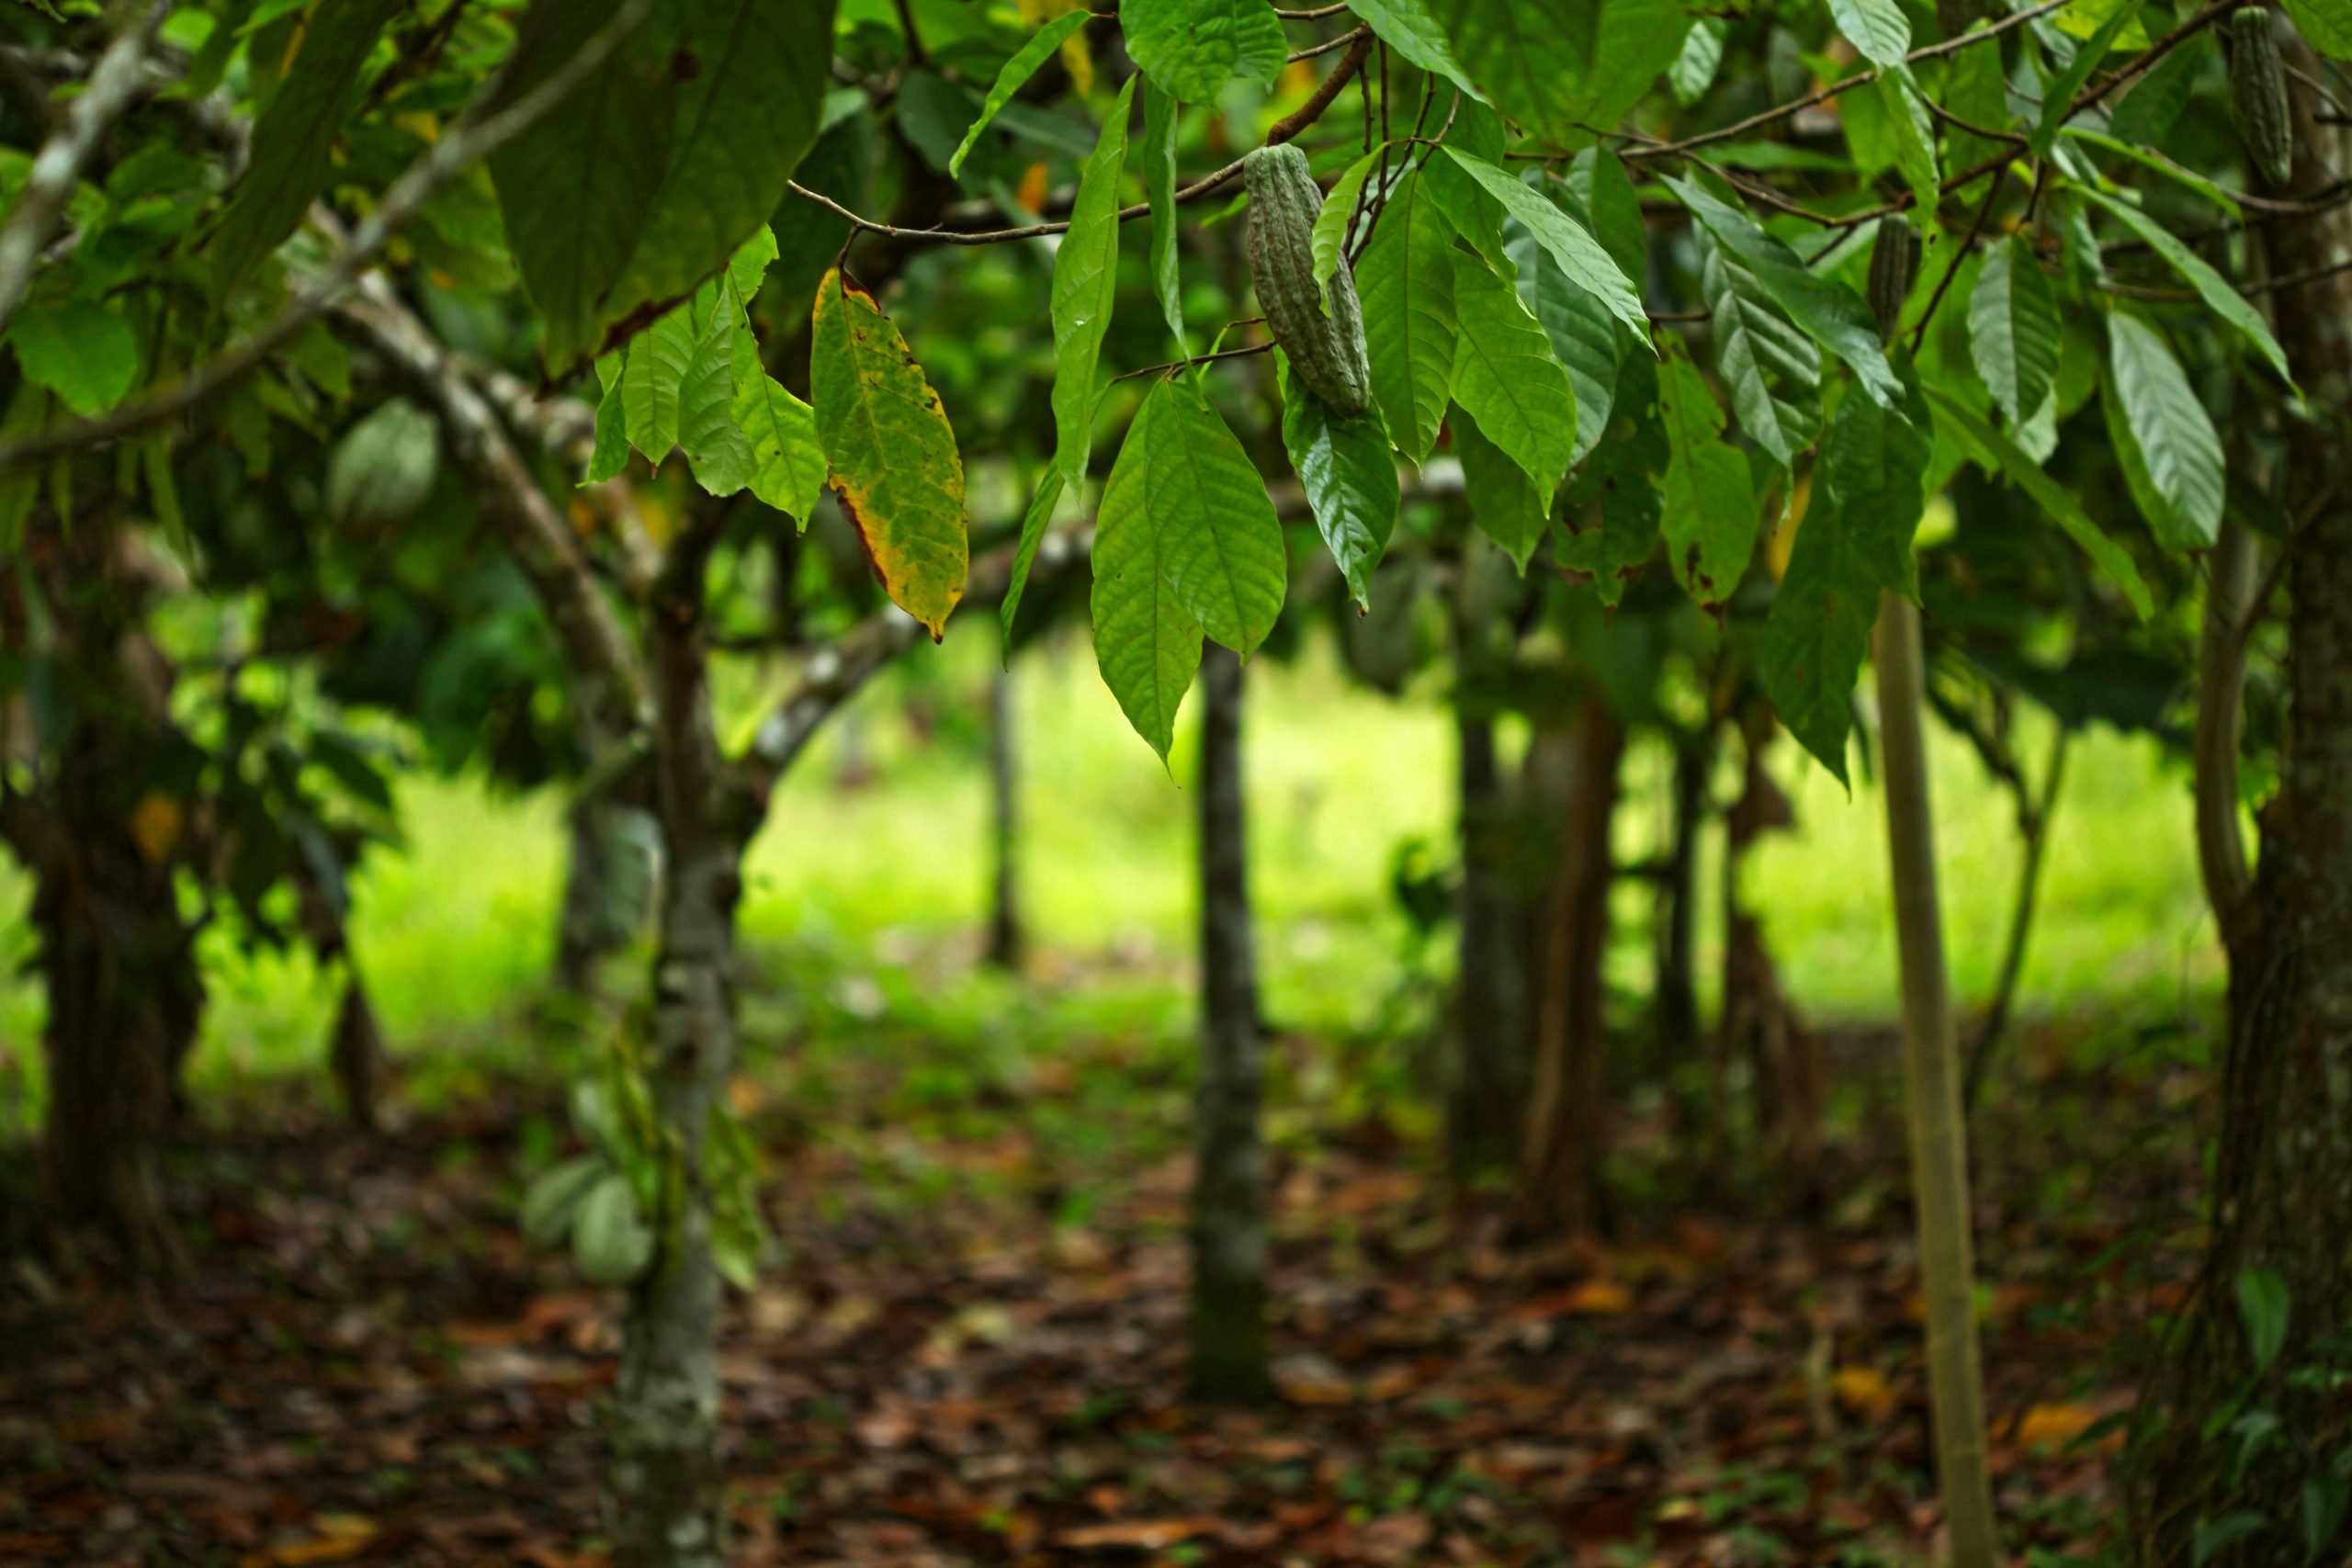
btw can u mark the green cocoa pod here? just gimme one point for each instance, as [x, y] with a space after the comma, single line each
[1890, 272]
[2258, 95]
[1327, 351]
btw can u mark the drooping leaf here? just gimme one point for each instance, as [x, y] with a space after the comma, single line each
[1635, 42]
[1877, 27]
[1407, 27]
[1406, 279]
[2170, 452]
[2266, 1309]
[1603, 196]
[1505, 375]
[716, 446]
[1504, 502]
[1995, 451]
[1158, 156]
[2162, 167]
[1145, 643]
[1831, 312]
[610, 1238]
[1024, 554]
[750, 94]
[1708, 504]
[1350, 476]
[293, 142]
[1476, 215]
[554, 1199]
[85, 352]
[2226, 1531]
[611, 453]
[1579, 255]
[895, 464]
[2013, 329]
[2150, 109]
[1913, 136]
[2058, 93]
[1015, 74]
[1693, 71]
[1086, 281]
[787, 462]
[650, 383]
[2211, 287]
[1772, 370]
[1332, 224]
[1195, 46]
[2327, 24]
[1528, 56]
[1584, 337]
[1874, 468]
[1612, 521]
[1220, 544]
[1817, 633]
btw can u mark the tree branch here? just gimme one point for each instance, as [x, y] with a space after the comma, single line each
[49, 186]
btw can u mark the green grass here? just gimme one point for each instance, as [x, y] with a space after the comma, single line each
[874, 869]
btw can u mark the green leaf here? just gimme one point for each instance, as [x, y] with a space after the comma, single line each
[1220, 544]
[716, 448]
[650, 383]
[1159, 155]
[1528, 56]
[554, 1199]
[1994, 450]
[1407, 27]
[611, 454]
[1772, 369]
[83, 351]
[1024, 555]
[1504, 502]
[574, 186]
[1350, 476]
[1405, 280]
[1915, 139]
[1708, 503]
[893, 454]
[1145, 643]
[1505, 375]
[1330, 232]
[2170, 452]
[1041, 47]
[1193, 47]
[2058, 93]
[1476, 216]
[2180, 175]
[2266, 1307]
[750, 91]
[2325, 1499]
[787, 462]
[293, 142]
[748, 267]
[1817, 633]
[1579, 255]
[1874, 468]
[1635, 42]
[1832, 313]
[2326, 24]
[610, 1239]
[1876, 27]
[2152, 107]
[2227, 1530]
[1603, 196]
[2013, 329]
[1616, 483]
[1086, 284]
[1584, 336]
[2211, 287]
[1693, 71]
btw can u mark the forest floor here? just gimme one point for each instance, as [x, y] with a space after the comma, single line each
[968, 1347]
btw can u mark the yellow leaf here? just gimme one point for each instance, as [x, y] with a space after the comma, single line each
[2053, 1424]
[1864, 1391]
[155, 823]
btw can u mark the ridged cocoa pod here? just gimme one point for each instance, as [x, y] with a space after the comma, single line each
[1327, 351]
[1890, 272]
[2258, 95]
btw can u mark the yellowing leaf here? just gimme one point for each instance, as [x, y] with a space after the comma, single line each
[896, 467]
[2053, 1424]
[155, 823]
[1864, 1392]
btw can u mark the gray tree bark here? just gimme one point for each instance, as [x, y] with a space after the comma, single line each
[1230, 1184]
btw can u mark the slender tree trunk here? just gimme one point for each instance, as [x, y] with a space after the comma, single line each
[1004, 944]
[1230, 1185]
[666, 1479]
[1939, 1133]
[1758, 1023]
[1486, 1100]
[1676, 1019]
[2283, 1176]
[1560, 1186]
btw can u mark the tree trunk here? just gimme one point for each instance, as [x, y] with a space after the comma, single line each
[613, 873]
[1560, 1186]
[666, 1479]
[1676, 1019]
[1938, 1135]
[1004, 943]
[1230, 1184]
[2282, 1177]
[1485, 1104]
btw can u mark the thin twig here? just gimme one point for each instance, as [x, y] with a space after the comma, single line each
[1196, 359]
